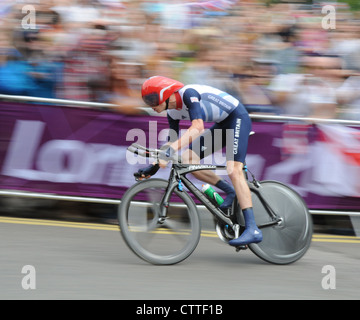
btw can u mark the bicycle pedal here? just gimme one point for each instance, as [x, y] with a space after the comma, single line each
[243, 247]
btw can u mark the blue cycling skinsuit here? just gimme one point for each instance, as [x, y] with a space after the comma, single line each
[213, 105]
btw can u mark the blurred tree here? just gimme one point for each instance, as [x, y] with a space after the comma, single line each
[353, 4]
[269, 2]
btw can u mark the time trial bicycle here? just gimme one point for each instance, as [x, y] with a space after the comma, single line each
[159, 219]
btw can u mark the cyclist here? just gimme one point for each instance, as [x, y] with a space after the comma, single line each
[199, 104]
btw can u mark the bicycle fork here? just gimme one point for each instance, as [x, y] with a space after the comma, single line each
[164, 203]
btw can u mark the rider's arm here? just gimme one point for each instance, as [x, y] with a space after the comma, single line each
[174, 129]
[191, 99]
[195, 130]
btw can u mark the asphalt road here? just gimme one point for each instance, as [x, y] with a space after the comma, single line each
[91, 261]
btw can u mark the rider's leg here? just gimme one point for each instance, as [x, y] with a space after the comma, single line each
[251, 234]
[208, 176]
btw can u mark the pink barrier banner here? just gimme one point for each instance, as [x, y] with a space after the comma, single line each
[82, 152]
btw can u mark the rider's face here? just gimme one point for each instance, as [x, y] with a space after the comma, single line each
[160, 107]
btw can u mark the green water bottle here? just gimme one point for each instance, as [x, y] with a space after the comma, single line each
[212, 194]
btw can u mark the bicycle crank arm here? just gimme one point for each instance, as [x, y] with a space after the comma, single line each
[276, 222]
[236, 229]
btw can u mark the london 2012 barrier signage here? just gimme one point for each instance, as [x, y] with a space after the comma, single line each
[82, 152]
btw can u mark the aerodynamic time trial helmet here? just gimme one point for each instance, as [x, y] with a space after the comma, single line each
[158, 89]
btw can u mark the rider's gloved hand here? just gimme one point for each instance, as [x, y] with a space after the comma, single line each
[147, 172]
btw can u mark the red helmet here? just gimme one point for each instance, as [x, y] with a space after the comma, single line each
[158, 89]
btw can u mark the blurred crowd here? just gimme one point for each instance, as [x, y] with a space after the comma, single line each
[276, 59]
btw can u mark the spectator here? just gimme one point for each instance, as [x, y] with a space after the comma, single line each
[29, 72]
[125, 86]
[252, 92]
[345, 42]
[306, 95]
[348, 96]
[241, 50]
[87, 65]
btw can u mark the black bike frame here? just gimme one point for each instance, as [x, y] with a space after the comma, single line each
[275, 218]
[178, 173]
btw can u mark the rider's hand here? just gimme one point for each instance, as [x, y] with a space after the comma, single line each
[163, 163]
[147, 172]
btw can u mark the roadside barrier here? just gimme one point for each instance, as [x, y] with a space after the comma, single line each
[76, 151]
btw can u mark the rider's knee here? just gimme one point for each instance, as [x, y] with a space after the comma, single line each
[234, 169]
